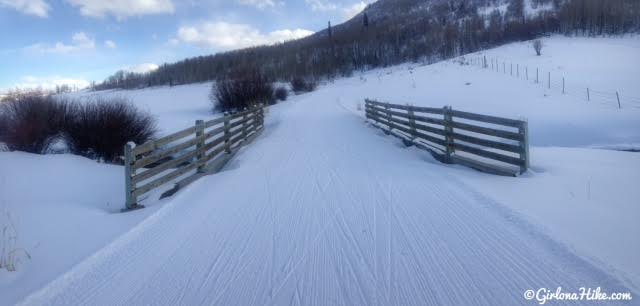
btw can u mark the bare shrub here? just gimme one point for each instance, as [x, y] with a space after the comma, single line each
[537, 46]
[302, 85]
[281, 94]
[29, 122]
[233, 94]
[102, 128]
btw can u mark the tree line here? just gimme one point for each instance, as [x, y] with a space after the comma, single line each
[377, 38]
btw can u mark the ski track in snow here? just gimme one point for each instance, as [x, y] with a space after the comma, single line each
[306, 216]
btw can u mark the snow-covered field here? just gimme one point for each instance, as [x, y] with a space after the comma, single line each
[334, 212]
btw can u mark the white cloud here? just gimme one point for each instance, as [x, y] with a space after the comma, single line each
[353, 10]
[142, 68]
[322, 5]
[79, 42]
[122, 9]
[50, 82]
[348, 11]
[222, 35]
[110, 44]
[30, 7]
[260, 4]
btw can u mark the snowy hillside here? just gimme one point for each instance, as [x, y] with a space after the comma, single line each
[332, 211]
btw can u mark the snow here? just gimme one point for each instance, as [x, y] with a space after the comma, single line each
[64, 208]
[324, 209]
[175, 108]
[319, 222]
[587, 198]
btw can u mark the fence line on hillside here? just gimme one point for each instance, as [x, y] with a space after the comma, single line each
[491, 144]
[553, 81]
[187, 155]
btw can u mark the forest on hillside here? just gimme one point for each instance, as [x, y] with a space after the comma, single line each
[390, 32]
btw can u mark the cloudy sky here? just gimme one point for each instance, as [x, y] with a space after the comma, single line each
[49, 42]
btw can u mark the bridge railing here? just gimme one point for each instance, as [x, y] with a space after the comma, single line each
[486, 143]
[187, 155]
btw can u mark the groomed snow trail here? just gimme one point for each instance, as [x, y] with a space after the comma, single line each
[324, 210]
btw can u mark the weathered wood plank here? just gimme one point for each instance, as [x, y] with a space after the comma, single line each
[407, 130]
[486, 118]
[208, 146]
[158, 143]
[131, 201]
[214, 132]
[165, 166]
[418, 109]
[416, 117]
[487, 131]
[213, 122]
[488, 143]
[420, 127]
[161, 154]
[165, 179]
[524, 131]
[488, 154]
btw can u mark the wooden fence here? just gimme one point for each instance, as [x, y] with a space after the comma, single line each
[486, 143]
[188, 154]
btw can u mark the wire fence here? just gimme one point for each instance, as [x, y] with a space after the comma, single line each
[554, 81]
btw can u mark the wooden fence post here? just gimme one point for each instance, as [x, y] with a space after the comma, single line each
[366, 107]
[511, 71]
[386, 107]
[618, 96]
[563, 85]
[549, 79]
[485, 65]
[129, 160]
[227, 134]
[448, 129]
[261, 115]
[588, 95]
[537, 76]
[524, 155]
[200, 145]
[504, 67]
[244, 126]
[412, 123]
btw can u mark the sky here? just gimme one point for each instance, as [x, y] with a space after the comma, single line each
[53, 42]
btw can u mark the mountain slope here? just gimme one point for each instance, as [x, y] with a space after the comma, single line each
[397, 32]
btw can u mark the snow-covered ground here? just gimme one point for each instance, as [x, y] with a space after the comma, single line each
[175, 108]
[332, 211]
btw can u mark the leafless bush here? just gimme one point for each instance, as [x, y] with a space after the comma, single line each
[301, 85]
[30, 122]
[97, 129]
[537, 45]
[281, 94]
[102, 128]
[233, 94]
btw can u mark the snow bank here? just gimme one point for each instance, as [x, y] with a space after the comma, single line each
[586, 198]
[64, 208]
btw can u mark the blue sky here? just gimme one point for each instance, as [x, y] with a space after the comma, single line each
[51, 42]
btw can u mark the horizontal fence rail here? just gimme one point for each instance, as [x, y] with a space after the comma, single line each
[486, 143]
[188, 154]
